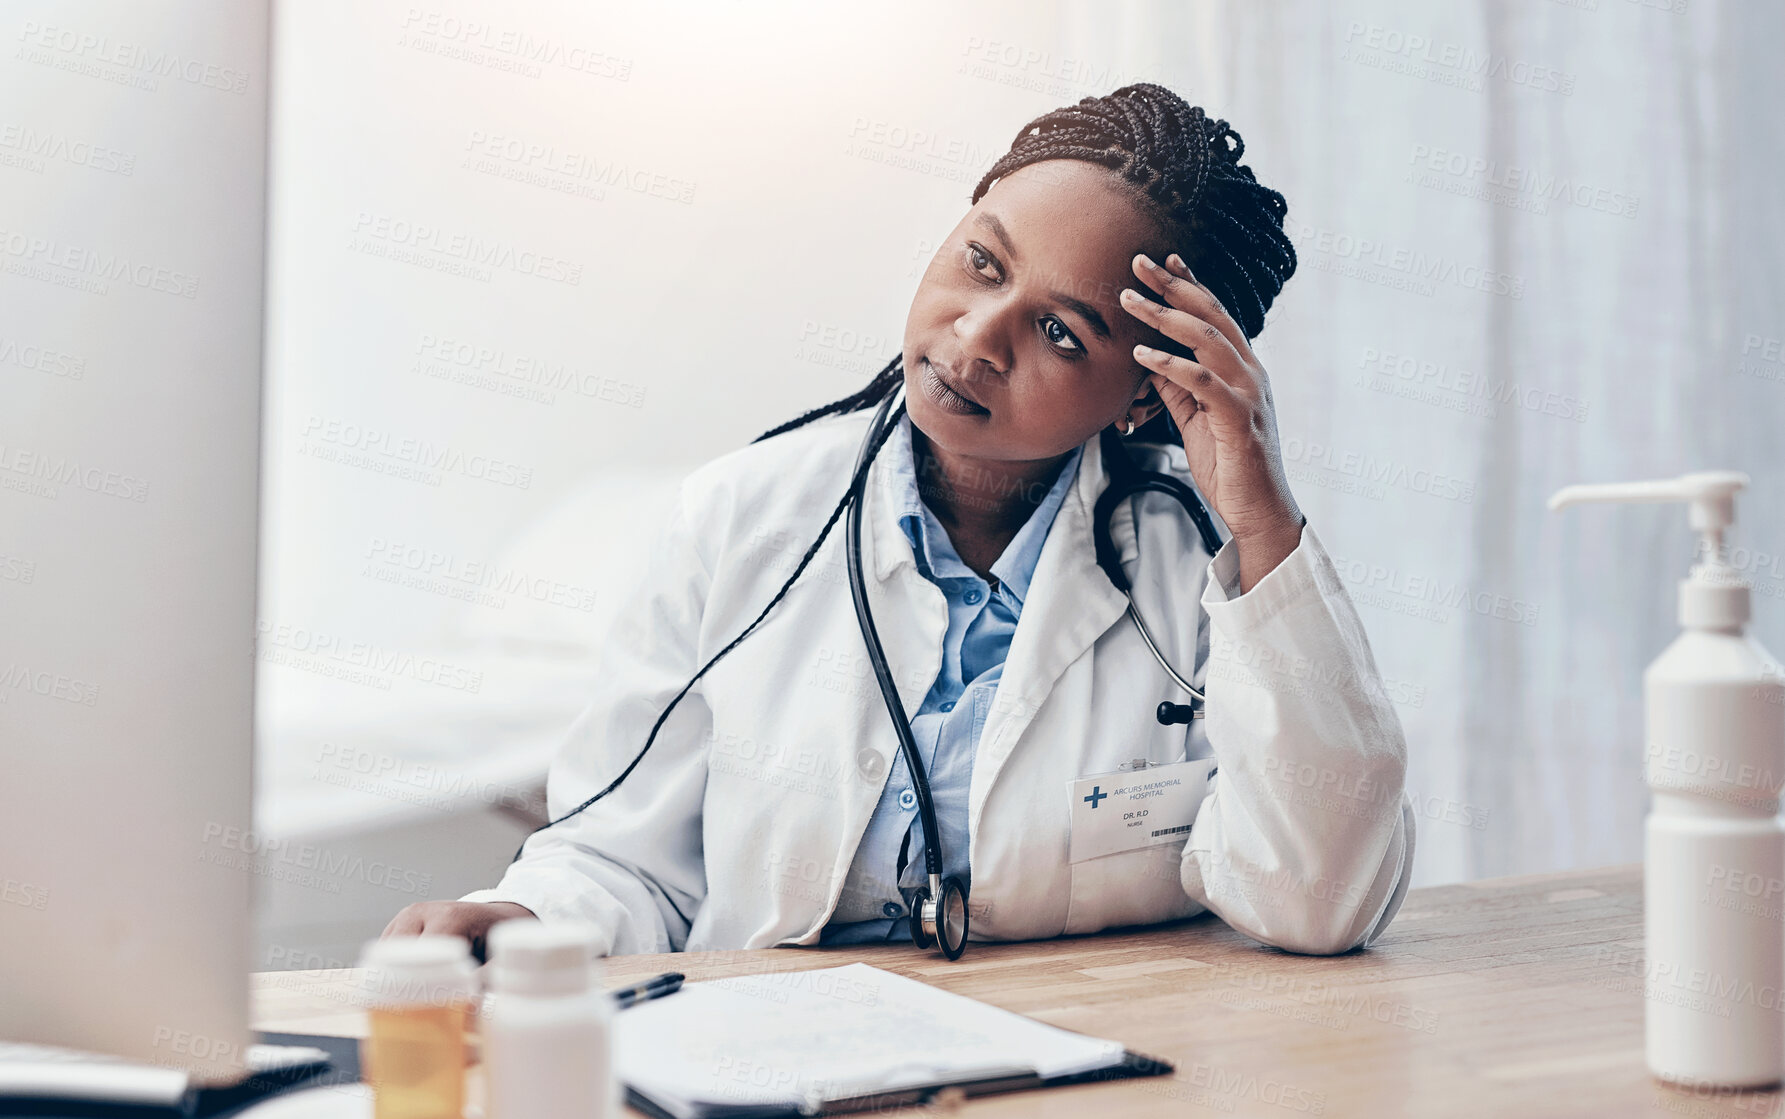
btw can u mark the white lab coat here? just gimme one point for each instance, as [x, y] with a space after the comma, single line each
[738, 827]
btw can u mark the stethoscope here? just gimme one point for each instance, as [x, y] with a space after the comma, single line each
[941, 909]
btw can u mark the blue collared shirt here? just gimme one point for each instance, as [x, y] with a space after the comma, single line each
[876, 901]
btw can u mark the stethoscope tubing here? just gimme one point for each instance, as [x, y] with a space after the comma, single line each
[1126, 481]
[1146, 636]
[920, 783]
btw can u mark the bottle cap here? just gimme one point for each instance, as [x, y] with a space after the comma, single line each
[542, 957]
[425, 970]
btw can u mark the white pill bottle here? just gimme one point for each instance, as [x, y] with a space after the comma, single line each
[547, 1052]
[1714, 844]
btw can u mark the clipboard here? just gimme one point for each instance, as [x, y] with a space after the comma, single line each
[845, 1076]
[992, 1083]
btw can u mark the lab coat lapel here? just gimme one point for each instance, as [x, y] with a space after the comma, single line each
[910, 615]
[1071, 603]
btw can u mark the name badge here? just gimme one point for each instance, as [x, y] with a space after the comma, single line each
[1127, 810]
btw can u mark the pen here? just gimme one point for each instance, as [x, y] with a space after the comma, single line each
[654, 988]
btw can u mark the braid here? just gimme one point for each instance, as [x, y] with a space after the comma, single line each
[866, 397]
[1189, 167]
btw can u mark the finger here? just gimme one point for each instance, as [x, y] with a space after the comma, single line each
[1181, 406]
[1212, 309]
[1211, 346]
[1202, 383]
[1181, 289]
[407, 922]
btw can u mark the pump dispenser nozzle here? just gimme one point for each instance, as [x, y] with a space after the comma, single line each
[1714, 595]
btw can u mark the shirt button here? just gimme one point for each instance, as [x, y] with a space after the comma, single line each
[949, 706]
[972, 595]
[907, 800]
[892, 909]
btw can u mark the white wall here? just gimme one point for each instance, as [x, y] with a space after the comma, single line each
[702, 308]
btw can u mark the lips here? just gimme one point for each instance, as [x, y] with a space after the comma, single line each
[954, 383]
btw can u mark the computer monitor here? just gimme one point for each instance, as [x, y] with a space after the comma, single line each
[133, 170]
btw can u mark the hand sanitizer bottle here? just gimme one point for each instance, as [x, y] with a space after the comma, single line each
[1714, 846]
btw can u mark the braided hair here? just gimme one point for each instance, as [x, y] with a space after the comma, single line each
[1184, 171]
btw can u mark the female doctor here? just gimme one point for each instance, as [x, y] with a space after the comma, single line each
[1112, 269]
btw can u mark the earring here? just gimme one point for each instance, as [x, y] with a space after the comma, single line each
[1130, 430]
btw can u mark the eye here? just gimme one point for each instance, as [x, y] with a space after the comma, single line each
[1048, 326]
[978, 259]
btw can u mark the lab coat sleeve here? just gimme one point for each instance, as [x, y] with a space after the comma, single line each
[1305, 840]
[632, 863]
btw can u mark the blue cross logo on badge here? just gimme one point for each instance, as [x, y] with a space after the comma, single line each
[1097, 794]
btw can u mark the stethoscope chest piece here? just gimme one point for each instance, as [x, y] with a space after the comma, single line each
[940, 916]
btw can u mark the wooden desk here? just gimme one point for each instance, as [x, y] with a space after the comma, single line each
[1505, 997]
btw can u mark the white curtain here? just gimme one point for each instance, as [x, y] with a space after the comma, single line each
[1540, 243]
